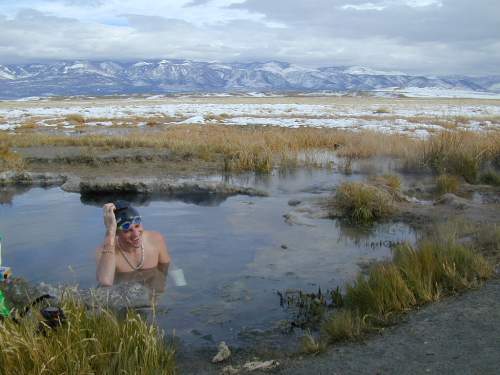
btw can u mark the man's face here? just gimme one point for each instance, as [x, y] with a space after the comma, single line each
[133, 236]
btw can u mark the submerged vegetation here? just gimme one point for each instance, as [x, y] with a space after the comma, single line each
[93, 341]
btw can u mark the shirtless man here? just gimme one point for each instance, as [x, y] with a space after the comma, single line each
[127, 247]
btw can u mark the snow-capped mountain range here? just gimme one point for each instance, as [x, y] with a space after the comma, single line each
[167, 76]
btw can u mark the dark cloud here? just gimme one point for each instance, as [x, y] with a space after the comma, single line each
[455, 20]
[194, 3]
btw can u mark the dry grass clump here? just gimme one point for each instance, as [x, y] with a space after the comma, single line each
[257, 159]
[390, 183]
[91, 342]
[446, 183]
[460, 153]
[76, 119]
[414, 277]
[487, 240]
[27, 125]
[10, 160]
[311, 345]
[362, 203]
[344, 324]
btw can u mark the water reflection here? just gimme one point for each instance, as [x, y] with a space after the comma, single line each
[8, 193]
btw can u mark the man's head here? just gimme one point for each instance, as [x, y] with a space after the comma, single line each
[128, 223]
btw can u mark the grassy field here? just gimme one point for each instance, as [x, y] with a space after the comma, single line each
[261, 149]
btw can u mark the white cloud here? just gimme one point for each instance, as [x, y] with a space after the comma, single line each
[364, 6]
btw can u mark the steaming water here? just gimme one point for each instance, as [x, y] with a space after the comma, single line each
[235, 253]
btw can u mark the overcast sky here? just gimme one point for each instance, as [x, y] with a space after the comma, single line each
[414, 36]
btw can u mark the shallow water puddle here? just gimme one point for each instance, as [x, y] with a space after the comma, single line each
[235, 253]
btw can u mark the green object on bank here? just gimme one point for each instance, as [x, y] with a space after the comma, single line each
[4, 310]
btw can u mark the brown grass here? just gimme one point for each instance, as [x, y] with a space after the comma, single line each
[362, 203]
[447, 184]
[460, 153]
[76, 119]
[10, 160]
[94, 341]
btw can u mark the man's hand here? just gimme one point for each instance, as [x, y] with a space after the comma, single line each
[109, 218]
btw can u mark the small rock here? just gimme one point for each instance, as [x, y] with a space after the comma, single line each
[223, 354]
[230, 370]
[294, 202]
[261, 365]
[284, 247]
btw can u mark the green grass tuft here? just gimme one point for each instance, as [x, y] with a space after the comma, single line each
[343, 325]
[414, 277]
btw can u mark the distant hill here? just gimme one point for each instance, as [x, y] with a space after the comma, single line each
[170, 76]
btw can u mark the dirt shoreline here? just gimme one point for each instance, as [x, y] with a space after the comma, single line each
[459, 335]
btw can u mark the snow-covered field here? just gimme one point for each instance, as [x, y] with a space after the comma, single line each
[416, 117]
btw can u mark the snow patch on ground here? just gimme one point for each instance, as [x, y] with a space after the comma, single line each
[410, 116]
[429, 92]
[194, 120]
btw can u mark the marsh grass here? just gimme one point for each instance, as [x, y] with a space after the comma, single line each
[240, 148]
[342, 325]
[76, 119]
[10, 160]
[490, 177]
[312, 345]
[415, 276]
[92, 341]
[459, 153]
[446, 183]
[487, 240]
[362, 203]
[392, 181]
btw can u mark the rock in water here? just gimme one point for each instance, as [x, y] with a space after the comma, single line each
[223, 354]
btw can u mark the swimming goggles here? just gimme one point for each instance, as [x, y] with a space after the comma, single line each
[126, 225]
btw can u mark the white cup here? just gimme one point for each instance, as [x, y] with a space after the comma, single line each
[178, 277]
